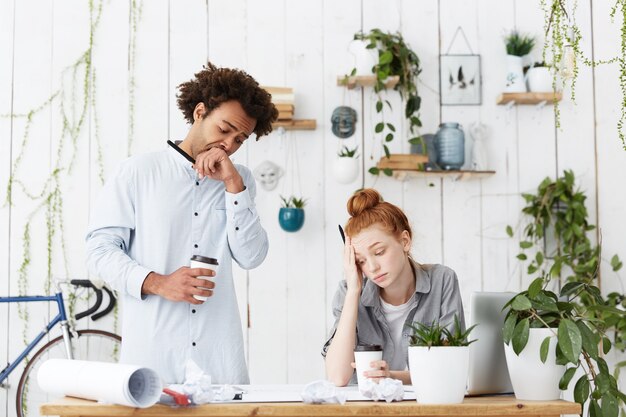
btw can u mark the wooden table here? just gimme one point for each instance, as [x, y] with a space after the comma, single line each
[475, 406]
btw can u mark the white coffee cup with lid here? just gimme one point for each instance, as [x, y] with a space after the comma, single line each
[364, 355]
[198, 261]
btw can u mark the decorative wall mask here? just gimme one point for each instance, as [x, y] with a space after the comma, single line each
[344, 121]
[267, 174]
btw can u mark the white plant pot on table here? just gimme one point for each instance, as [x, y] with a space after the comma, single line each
[531, 378]
[439, 374]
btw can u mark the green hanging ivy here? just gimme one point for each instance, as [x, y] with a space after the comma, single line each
[563, 37]
[73, 112]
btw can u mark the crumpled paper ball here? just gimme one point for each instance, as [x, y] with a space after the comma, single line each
[198, 386]
[387, 389]
[322, 392]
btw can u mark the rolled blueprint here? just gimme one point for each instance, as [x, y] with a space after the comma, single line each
[101, 381]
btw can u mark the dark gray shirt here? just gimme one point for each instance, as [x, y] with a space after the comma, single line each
[437, 299]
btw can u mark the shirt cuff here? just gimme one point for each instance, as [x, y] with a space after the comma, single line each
[239, 202]
[135, 281]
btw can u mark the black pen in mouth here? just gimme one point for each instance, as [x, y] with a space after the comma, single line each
[180, 151]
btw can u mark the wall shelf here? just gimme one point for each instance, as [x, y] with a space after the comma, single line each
[404, 174]
[365, 81]
[528, 98]
[296, 124]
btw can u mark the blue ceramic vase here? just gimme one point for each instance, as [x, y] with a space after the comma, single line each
[450, 146]
[291, 219]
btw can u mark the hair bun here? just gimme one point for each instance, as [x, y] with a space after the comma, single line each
[363, 200]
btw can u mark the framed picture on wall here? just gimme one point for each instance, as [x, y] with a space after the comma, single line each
[460, 81]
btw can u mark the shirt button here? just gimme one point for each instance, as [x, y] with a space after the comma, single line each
[197, 183]
[236, 228]
[193, 311]
[193, 344]
[195, 246]
[236, 203]
[195, 214]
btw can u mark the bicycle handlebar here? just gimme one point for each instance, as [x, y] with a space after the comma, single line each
[88, 284]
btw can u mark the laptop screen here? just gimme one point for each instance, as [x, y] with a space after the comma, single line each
[488, 373]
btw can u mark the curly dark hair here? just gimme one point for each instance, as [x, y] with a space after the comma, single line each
[214, 86]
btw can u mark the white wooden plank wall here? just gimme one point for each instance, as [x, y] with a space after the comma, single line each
[285, 303]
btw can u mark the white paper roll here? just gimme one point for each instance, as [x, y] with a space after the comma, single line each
[101, 381]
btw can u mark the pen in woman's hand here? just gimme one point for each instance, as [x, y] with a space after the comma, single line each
[343, 236]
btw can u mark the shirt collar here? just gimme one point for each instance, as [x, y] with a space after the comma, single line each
[370, 296]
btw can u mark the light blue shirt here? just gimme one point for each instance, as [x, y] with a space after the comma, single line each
[153, 215]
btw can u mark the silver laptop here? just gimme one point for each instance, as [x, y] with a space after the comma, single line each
[488, 373]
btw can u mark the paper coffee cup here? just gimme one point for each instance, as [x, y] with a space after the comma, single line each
[363, 356]
[198, 261]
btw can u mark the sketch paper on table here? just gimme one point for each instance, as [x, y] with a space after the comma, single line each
[101, 381]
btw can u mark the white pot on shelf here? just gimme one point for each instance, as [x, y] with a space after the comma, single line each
[346, 169]
[363, 59]
[531, 378]
[439, 374]
[539, 80]
[515, 82]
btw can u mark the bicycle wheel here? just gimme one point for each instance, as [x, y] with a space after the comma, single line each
[93, 345]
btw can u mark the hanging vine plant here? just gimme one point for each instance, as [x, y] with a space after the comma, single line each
[395, 57]
[563, 37]
[49, 199]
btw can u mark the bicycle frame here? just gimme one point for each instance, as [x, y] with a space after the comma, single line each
[61, 317]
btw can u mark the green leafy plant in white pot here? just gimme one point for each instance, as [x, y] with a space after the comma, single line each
[439, 362]
[346, 165]
[517, 46]
[543, 332]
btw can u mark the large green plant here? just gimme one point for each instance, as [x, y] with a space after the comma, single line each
[582, 317]
[581, 338]
[557, 214]
[395, 57]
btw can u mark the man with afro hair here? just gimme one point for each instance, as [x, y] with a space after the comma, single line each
[160, 209]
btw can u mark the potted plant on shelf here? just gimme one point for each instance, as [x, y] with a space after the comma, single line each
[346, 165]
[517, 46]
[438, 362]
[395, 58]
[291, 214]
[539, 77]
[547, 331]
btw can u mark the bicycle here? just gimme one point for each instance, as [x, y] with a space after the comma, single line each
[87, 344]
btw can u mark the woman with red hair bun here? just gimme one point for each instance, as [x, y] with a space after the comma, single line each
[383, 290]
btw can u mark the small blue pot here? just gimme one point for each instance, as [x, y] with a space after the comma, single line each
[291, 219]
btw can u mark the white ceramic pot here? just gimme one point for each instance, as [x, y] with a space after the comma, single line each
[531, 378]
[346, 169]
[514, 75]
[363, 59]
[539, 80]
[439, 374]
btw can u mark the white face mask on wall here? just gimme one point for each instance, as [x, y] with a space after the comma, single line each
[267, 174]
